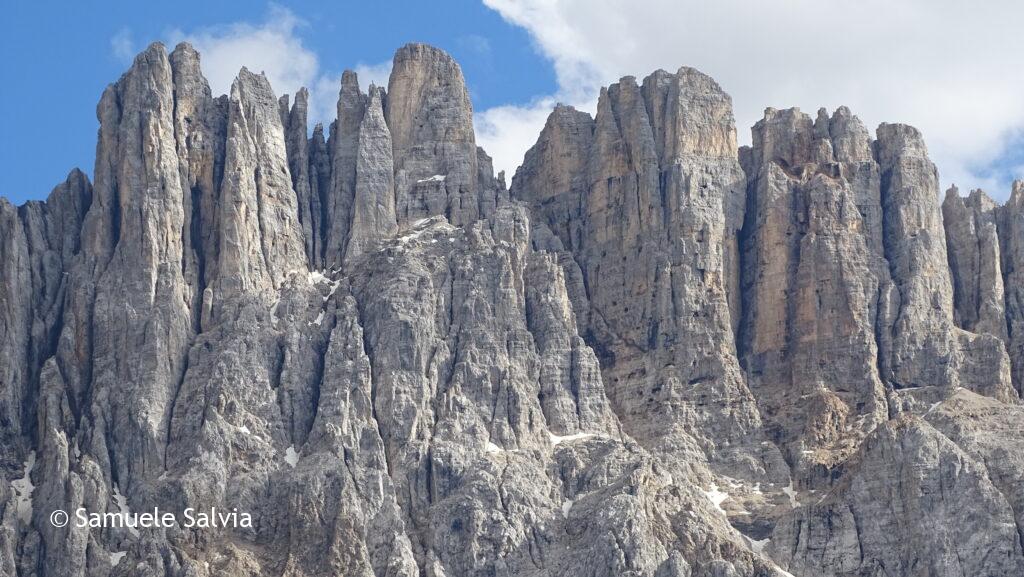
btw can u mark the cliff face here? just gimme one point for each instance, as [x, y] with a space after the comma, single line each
[654, 355]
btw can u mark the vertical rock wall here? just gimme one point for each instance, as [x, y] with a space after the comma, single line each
[656, 355]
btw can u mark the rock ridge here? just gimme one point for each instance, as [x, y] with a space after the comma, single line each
[654, 354]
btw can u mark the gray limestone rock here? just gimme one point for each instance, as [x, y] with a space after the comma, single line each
[301, 165]
[431, 122]
[344, 153]
[648, 199]
[655, 355]
[912, 502]
[261, 239]
[811, 284]
[923, 347]
[373, 212]
[1011, 241]
[972, 243]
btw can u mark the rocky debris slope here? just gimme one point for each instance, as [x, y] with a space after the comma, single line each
[654, 355]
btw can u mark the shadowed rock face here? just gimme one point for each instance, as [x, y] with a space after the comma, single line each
[655, 355]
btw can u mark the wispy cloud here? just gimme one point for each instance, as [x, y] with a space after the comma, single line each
[477, 43]
[122, 46]
[996, 173]
[271, 47]
[506, 132]
[942, 65]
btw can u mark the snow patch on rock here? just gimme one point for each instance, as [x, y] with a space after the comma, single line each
[791, 493]
[716, 497]
[319, 320]
[558, 439]
[23, 488]
[291, 457]
[116, 557]
[125, 511]
[566, 507]
[758, 546]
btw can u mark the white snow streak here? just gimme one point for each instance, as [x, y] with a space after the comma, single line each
[291, 457]
[23, 488]
[716, 497]
[791, 493]
[566, 507]
[758, 546]
[126, 512]
[557, 439]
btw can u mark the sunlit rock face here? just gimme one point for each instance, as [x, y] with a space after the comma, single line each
[655, 354]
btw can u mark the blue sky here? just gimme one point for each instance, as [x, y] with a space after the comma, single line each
[950, 68]
[60, 55]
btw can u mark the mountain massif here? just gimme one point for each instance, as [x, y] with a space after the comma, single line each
[654, 353]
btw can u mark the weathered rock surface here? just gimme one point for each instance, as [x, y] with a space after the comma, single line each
[813, 273]
[1011, 240]
[913, 502]
[656, 355]
[39, 242]
[925, 348]
[373, 213]
[643, 198]
[972, 242]
[435, 155]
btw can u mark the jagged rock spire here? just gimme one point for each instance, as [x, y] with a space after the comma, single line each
[261, 241]
[972, 246]
[345, 142]
[813, 270]
[431, 121]
[373, 212]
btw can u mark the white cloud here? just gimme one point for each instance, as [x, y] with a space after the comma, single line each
[122, 46]
[951, 68]
[506, 132]
[376, 74]
[274, 48]
[323, 100]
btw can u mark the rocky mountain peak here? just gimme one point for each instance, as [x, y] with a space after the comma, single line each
[655, 354]
[428, 103]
